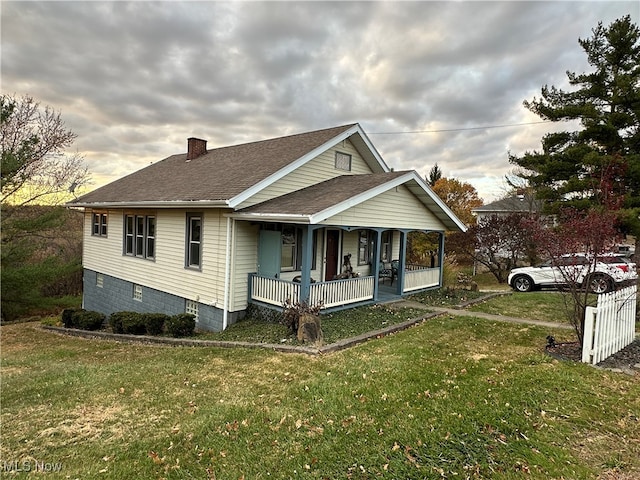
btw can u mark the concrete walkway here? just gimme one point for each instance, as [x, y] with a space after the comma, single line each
[488, 316]
[501, 318]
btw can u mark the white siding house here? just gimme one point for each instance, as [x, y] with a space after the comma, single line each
[212, 230]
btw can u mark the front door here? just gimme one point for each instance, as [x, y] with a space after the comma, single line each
[331, 254]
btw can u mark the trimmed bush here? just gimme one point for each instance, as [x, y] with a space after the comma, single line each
[67, 317]
[154, 322]
[133, 324]
[88, 320]
[115, 320]
[128, 322]
[181, 325]
[82, 319]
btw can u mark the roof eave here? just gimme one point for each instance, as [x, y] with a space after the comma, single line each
[272, 217]
[152, 204]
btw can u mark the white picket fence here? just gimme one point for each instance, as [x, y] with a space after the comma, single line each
[610, 326]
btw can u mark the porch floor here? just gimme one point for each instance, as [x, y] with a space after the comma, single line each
[387, 292]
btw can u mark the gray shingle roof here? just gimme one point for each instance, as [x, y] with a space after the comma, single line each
[219, 175]
[518, 203]
[321, 196]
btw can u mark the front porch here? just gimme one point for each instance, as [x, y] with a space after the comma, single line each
[343, 293]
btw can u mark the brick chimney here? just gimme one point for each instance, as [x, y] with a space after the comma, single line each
[195, 148]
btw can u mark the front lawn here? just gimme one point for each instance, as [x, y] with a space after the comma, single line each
[335, 326]
[546, 306]
[454, 397]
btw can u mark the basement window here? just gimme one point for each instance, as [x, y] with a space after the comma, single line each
[192, 308]
[137, 292]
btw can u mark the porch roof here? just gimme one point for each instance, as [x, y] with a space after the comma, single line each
[318, 202]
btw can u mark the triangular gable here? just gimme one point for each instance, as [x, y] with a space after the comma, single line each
[326, 200]
[355, 134]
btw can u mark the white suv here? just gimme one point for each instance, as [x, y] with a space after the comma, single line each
[600, 277]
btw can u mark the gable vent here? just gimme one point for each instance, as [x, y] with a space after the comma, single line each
[195, 148]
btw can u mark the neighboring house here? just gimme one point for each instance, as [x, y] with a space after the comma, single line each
[506, 206]
[211, 231]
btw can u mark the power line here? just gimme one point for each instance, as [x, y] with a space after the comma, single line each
[458, 129]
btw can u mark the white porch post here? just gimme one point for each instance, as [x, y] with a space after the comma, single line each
[441, 258]
[305, 268]
[402, 261]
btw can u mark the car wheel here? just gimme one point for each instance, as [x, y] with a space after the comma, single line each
[522, 283]
[600, 284]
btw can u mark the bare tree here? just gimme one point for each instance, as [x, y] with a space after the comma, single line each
[497, 241]
[36, 167]
[591, 234]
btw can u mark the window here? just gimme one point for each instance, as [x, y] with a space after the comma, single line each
[290, 243]
[137, 292]
[291, 259]
[192, 308]
[385, 247]
[99, 280]
[343, 161]
[194, 241]
[365, 246]
[99, 225]
[140, 236]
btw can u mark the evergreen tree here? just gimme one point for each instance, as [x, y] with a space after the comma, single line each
[435, 174]
[599, 165]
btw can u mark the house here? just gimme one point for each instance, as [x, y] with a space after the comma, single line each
[303, 217]
[521, 203]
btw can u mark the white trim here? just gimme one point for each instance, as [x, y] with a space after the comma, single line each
[152, 204]
[338, 208]
[271, 217]
[440, 203]
[251, 191]
[357, 199]
[227, 270]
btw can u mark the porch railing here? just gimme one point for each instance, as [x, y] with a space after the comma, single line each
[274, 291]
[342, 292]
[417, 278]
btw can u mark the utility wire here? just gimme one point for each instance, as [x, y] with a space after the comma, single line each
[457, 129]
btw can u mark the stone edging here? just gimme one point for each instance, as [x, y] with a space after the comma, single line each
[190, 342]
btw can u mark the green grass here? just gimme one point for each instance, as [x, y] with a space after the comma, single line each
[335, 326]
[455, 397]
[547, 306]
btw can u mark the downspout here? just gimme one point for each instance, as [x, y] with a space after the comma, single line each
[227, 273]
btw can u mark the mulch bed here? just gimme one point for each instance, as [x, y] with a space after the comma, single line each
[628, 357]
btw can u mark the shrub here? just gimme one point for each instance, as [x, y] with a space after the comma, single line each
[128, 322]
[154, 322]
[133, 324]
[181, 325]
[67, 317]
[88, 320]
[292, 311]
[115, 320]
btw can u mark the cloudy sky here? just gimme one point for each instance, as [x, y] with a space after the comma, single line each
[429, 82]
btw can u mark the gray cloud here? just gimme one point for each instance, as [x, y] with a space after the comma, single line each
[134, 80]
